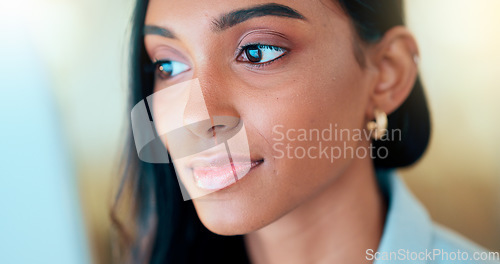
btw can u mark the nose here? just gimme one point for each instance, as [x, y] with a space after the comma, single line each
[208, 113]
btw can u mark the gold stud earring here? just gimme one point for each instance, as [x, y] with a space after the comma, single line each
[378, 128]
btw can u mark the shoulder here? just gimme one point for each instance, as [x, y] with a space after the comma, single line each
[451, 247]
[411, 236]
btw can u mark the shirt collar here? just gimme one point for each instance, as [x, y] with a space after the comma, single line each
[407, 225]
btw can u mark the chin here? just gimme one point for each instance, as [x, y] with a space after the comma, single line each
[227, 219]
[229, 227]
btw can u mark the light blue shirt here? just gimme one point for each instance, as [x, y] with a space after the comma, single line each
[410, 236]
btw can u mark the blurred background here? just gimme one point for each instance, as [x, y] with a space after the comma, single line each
[78, 49]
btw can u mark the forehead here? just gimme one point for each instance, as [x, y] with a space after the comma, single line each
[181, 14]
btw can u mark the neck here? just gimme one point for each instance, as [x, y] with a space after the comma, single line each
[337, 225]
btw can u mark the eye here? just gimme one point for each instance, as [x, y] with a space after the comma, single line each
[260, 54]
[168, 69]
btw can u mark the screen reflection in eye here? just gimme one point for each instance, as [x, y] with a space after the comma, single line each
[260, 54]
[168, 68]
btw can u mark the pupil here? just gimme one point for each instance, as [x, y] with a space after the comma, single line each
[254, 54]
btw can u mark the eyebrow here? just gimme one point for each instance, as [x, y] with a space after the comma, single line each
[239, 16]
[234, 18]
[159, 31]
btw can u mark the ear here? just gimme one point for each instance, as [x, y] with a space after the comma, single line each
[395, 61]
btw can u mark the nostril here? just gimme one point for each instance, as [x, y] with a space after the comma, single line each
[216, 128]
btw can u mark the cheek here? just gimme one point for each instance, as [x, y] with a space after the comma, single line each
[335, 97]
[328, 93]
[332, 98]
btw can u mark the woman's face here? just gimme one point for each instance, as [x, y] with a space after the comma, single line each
[277, 70]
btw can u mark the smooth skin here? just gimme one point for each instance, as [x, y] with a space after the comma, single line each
[290, 210]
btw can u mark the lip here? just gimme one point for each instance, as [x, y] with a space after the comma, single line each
[215, 173]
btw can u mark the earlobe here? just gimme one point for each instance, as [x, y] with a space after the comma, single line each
[394, 57]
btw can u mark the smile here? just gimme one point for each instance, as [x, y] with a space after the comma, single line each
[216, 173]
